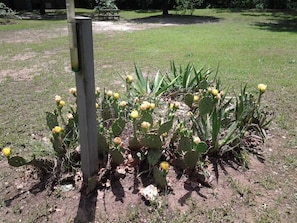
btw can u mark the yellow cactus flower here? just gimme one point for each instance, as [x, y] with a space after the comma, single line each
[195, 98]
[116, 95]
[58, 98]
[214, 92]
[196, 140]
[164, 165]
[134, 114]
[117, 140]
[56, 130]
[262, 87]
[164, 134]
[145, 125]
[123, 104]
[62, 103]
[218, 96]
[152, 106]
[144, 106]
[72, 91]
[190, 114]
[97, 91]
[6, 152]
[69, 116]
[129, 79]
[109, 93]
[176, 105]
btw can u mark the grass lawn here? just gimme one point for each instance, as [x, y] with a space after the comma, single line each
[247, 47]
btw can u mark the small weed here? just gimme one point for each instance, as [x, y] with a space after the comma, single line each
[268, 215]
[242, 190]
[283, 121]
[291, 161]
[268, 182]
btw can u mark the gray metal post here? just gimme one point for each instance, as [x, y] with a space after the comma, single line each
[86, 100]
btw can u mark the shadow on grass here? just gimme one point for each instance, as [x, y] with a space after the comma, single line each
[277, 21]
[279, 25]
[176, 19]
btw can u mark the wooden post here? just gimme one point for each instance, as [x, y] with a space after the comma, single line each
[86, 99]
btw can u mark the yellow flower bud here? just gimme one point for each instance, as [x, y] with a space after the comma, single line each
[196, 140]
[152, 106]
[109, 93]
[56, 130]
[117, 140]
[164, 165]
[144, 106]
[145, 125]
[6, 152]
[190, 114]
[218, 96]
[134, 114]
[129, 78]
[58, 98]
[69, 116]
[123, 103]
[195, 98]
[262, 87]
[214, 92]
[171, 106]
[62, 103]
[116, 95]
[176, 105]
[72, 91]
[97, 105]
[97, 90]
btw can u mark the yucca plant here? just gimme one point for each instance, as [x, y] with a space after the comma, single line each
[147, 88]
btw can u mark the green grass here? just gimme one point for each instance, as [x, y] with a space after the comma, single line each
[248, 47]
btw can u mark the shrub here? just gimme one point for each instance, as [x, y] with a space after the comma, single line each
[6, 12]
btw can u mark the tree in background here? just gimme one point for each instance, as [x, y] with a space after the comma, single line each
[106, 4]
[6, 12]
[188, 6]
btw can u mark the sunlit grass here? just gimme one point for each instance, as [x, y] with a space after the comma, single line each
[243, 52]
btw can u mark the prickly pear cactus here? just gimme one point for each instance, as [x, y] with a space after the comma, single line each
[17, 161]
[159, 178]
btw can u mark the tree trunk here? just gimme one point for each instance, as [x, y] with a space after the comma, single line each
[165, 7]
[29, 5]
[42, 7]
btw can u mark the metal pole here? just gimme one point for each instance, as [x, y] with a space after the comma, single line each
[86, 100]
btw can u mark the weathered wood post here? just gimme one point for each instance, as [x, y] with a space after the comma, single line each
[82, 63]
[86, 99]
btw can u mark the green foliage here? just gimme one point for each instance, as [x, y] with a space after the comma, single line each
[199, 120]
[105, 4]
[187, 6]
[144, 87]
[159, 178]
[188, 79]
[6, 12]
[17, 161]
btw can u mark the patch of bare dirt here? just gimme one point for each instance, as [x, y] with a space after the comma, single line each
[29, 36]
[243, 195]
